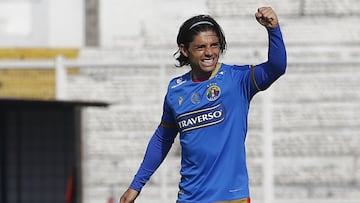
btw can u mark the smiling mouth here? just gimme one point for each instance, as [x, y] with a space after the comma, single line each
[208, 62]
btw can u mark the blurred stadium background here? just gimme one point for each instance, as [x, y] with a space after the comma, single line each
[303, 142]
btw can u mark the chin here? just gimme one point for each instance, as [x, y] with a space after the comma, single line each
[208, 68]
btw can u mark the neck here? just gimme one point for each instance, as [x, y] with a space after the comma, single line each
[202, 76]
[199, 77]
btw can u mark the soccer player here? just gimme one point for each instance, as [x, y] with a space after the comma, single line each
[208, 107]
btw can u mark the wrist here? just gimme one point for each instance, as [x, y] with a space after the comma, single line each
[273, 29]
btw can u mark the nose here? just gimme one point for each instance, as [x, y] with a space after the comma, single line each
[208, 51]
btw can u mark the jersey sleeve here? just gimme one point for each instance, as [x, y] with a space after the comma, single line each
[157, 149]
[167, 119]
[263, 75]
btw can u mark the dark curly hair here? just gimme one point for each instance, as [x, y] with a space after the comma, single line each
[193, 26]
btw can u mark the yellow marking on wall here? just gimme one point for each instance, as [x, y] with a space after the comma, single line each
[37, 53]
[73, 71]
[27, 83]
[30, 83]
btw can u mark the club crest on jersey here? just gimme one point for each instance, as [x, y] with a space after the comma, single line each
[201, 118]
[213, 92]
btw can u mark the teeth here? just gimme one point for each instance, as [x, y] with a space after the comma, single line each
[208, 61]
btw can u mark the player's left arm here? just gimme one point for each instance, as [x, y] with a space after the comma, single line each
[263, 75]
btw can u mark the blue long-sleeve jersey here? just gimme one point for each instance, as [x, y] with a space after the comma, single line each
[211, 119]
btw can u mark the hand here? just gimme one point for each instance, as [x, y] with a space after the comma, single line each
[129, 196]
[266, 16]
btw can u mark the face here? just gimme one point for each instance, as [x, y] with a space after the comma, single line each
[203, 54]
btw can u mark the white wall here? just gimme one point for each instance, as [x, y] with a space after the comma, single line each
[66, 23]
[60, 23]
[44, 23]
[23, 23]
[123, 21]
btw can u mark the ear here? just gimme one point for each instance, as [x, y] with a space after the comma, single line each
[183, 50]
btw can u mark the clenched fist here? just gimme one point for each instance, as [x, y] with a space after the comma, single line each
[267, 17]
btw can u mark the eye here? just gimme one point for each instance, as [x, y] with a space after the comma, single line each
[216, 45]
[200, 48]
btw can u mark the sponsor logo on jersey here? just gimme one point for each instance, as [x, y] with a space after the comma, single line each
[201, 118]
[180, 100]
[179, 82]
[213, 92]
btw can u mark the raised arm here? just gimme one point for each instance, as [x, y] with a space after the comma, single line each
[263, 75]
